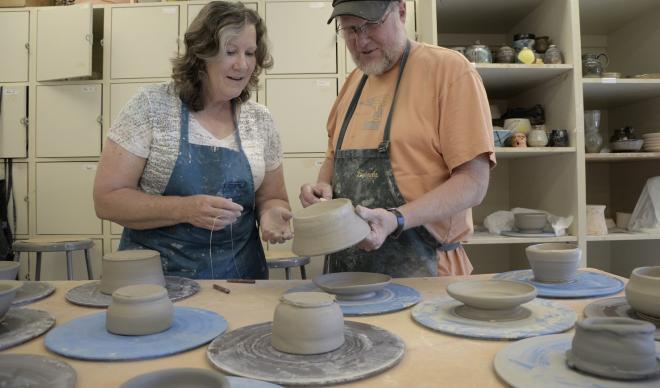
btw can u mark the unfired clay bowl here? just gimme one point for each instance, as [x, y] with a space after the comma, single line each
[139, 310]
[352, 285]
[619, 348]
[529, 222]
[643, 291]
[8, 290]
[179, 377]
[130, 267]
[492, 300]
[9, 270]
[326, 227]
[307, 323]
[554, 262]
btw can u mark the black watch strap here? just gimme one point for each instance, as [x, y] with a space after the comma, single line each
[400, 222]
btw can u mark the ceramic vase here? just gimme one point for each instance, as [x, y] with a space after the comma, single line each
[139, 310]
[596, 225]
[643, 290]
[130, 267]
[554, 262]
[537, 137]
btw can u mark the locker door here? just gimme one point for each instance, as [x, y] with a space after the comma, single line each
[14, 40]
[19, 197]
[13, 115]
[120, 94]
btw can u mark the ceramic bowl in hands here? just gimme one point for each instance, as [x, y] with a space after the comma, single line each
[643, 291]
[327, 227]
[130, 267]
[529, 222]
[554, 262]
[352, 285]
[9, 270]
[8, 290]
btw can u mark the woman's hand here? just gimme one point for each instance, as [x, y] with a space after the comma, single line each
[210, 212]
[275, 225]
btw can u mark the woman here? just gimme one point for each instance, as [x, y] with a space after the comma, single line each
[192, 166]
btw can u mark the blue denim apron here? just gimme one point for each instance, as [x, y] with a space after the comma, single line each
[232, 252]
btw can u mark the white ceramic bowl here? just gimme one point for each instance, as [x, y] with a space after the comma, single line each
[139, 310]
[492, 294]
[8, 290]
[643, 290]
[179, 377]
[352, 285]
[326, 227]
[627, 145]
[9, 270]
[131, 267]
[529, 222]
[554, 262]
[307, 323]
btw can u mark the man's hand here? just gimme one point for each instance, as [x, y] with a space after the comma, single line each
[382, 224]
[275, 225]
[314, 192]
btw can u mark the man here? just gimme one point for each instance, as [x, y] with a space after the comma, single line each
[410, 140]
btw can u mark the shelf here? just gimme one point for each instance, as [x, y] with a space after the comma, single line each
[485, 16]
[506, 80]
[622, 156]
[516, 153]
[612, 92]
[625, 236]
[486, 238]
[601, 17]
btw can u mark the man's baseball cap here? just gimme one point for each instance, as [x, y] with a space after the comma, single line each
[371, 10]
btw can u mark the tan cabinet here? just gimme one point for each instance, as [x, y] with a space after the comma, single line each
[302, 125]
[14, 44]
[116, 228]
[13, 120]
[69, 120]
[297, 171]
[19, 197]
[120, 94]
[143, 41]
[64, 42]
[64, 198]
[302, 41]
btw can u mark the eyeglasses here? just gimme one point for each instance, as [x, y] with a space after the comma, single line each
[350, 32]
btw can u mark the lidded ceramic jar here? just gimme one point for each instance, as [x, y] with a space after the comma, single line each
[307, 323]
[553, 56]
[8, 290]
[643, 290]
[130, 267]
[505, 54]
[478, 53]
[537, 137]
[593, 65]
[139, 310]
[541, 44]
[521, 41]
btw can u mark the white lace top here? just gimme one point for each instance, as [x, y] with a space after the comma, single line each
[148, 126]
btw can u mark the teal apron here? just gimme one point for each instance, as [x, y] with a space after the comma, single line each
[366, 177]
[236, 251]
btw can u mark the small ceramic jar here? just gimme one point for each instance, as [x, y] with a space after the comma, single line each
[537, 137]
[307, 323]
[541, 44]
[521, 41]
[505, 54]
[519, 140]
[643, 290]
[139, 310]
[558, 138]
[130, 267]
[478, 53]
[8, 290]
[553, 56]
[596, 225]
[526, 56]
[554, 262]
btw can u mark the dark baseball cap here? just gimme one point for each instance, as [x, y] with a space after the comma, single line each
[371, 10]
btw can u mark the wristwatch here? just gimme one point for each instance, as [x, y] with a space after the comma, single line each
[400, 222]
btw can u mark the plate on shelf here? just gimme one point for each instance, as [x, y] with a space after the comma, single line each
[513, 233]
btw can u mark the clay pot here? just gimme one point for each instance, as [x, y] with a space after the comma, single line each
[179, 377]
[492, 294]
[139, 310]
[554, 262]
[9, 270]
[130, 267]
[529, 222]
[619, 348]
[643, 290]
[327, 227]
[623, 219]
[596, 225]
[307, 323]
[8, 290]
[352, 285]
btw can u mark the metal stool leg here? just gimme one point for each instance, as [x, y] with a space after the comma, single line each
[89, 265]
[287, 273]
[303, 275]
[326, 265]
[69, 265]
[37, 268]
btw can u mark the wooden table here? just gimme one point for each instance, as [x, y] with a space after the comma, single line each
[432, 359]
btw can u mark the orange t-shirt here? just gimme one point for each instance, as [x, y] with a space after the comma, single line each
[441, 120]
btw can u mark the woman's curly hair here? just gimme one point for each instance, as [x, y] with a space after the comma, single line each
[215, 24]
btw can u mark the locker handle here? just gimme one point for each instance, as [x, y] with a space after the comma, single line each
[89, 38]
[99, 120]
[25, 121]
[27, 47]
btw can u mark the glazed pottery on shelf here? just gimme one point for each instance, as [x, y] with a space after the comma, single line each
[596, 225]
[8, 290]
[554, 262]
[179, 377]
[130, 267]
[643, 291]
[618, 348]
[139, 310]
[307, 323]
[327, 227]
[529, 222]
[352, 285]
[9, 270]
[518, 125]
[491, 299]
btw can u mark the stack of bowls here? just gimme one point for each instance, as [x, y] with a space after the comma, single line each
[652, 142]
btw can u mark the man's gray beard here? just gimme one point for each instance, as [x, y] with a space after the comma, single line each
[390, 58]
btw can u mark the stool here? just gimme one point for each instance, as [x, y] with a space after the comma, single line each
[286, 260]
[40, 245]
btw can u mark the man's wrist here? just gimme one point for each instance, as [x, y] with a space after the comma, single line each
[400, 222]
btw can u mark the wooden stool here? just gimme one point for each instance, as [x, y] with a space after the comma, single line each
[40, 245]
[286, 260]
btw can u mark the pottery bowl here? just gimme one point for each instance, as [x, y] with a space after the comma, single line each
[501, 137]
[632, 145]
[529, 222]
[643, 290]
[619, 348]
[9, 270]
[179, 377]
[307, 323]
[8, 290]
[130, 267]
[327, 227]
[139, 310]
[554, 262]
[352, 285]
[492, 294]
